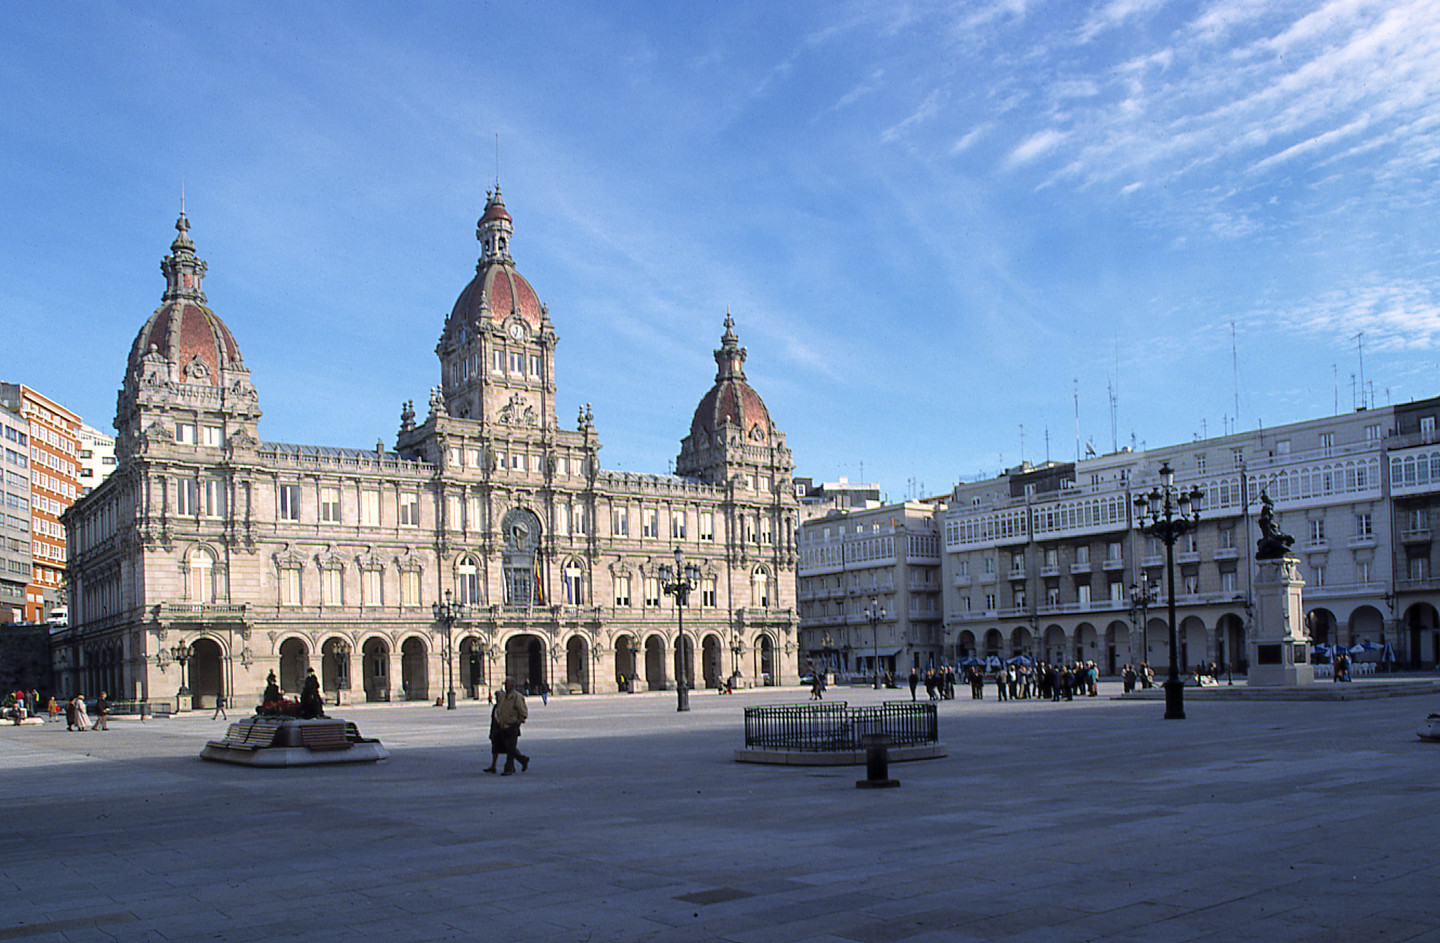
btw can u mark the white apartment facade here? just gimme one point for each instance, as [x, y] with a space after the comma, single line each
[1049, 561]
[868, 585]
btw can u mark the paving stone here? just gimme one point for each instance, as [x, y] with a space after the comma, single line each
[1097, 820]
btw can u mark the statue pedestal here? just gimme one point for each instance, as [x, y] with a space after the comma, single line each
[1279, 651]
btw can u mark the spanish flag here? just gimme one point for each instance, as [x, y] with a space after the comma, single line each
[539, 591]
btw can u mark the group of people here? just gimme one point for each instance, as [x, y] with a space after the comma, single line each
[506, 716]
[1012, 682]
[20, 705]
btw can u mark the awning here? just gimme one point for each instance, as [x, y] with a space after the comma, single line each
[870, 652]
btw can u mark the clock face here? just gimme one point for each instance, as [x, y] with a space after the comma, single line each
[517, 331]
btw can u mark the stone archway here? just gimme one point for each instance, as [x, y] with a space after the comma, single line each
[1021, 642]
[375, 669]
[1194, 643]
[966, 644]
[711, 661]
[1054, 645]
[207, 673]
[1117, 646]
[525, 662]
[654, 663]
[294, 659]
[472, 666]
[626, 655]
[334, 666]
[765, 651]
[1422, 633]
[577, 665]
[994, 643]
[414, 670]
[1230, 636]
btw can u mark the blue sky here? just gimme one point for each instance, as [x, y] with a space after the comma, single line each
[936, 224]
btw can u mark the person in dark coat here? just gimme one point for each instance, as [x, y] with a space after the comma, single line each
[497, 732]
[311, 705]
[914, 683]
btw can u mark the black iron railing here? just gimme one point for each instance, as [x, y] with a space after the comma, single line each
[835, 727]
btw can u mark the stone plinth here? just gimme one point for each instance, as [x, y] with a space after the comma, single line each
[1278, 649]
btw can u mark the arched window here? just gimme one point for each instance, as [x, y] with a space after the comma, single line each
[202, 576]
[574, 578]
[760, 588]
[467, 581]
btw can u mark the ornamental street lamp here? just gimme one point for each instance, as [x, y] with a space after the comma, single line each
[678, 583]
[1172, 513]
[1142, 597]
[874, 614]
[341, 650]
[447, 614]
[180, 654]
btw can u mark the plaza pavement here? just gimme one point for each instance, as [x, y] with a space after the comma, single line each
[1092, 820]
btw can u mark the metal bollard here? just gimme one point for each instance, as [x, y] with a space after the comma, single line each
[877, 762]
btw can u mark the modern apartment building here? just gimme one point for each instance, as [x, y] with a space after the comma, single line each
[15, 561]
[1049, 560]
[54, 485]
[869, 590]
[97, 457]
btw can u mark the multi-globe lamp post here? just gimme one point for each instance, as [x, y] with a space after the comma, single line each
[678, 583]
[875, 614]
[1171, 513]
[447, 614]
[180, 653]
[1142, 597]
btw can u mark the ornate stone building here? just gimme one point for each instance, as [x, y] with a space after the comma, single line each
[249, 556]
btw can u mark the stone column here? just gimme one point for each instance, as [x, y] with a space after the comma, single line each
[1279, 651]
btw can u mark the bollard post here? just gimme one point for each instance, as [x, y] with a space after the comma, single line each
[877, 762]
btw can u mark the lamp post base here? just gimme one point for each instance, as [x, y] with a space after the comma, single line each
[450, 699]
[682, 698]
[1174, 699]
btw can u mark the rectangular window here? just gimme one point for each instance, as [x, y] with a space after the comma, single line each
[621, 522]
[1362, 526]
[1317, 530]
[1227, 538]
[213, 499]
[677, 525]
[517, 363]
[1362, 571]
[410, 510]
[1082, 594]
[409, 587]
[707, 526]
[1117, 591]
[185, 432]
[1327, 442]
[707, 592]
[371, 588]
[1372, 433]
[534, 365]
[210, 435]
[650, 526]
[330, 505]
[290, 586]
[497, 361]
[1418, 568]
[1114, 551]
[579, 521]
[1082, 554]
[187, 498]
[1192, 584]
[652, 592]
[370, 508]
[1227, 581]
[1427, 426]
[622, 591]
[289, 496]
[574, 579]
[330, 587]
[1317, 575]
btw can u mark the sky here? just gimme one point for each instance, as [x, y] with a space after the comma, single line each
[953, 236]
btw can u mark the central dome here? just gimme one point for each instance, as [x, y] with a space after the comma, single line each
[731, 401]
[497, 291]
[184, 335]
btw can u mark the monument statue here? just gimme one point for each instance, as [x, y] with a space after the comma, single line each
[272, 690]
[1273, 544]
[311, 705]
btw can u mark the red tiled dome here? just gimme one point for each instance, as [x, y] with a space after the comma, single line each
[497, 291]
[732, 401]
[183, 329]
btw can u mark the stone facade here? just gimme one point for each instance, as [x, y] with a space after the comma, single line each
[250, 556]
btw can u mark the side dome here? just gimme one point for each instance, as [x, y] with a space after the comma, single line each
[732, 401]
[497, 291]
[184, 340]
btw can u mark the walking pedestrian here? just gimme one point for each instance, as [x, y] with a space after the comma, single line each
[102, 712]
[220, 708]
[511, 712]
[914, 683]
[497, 732]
